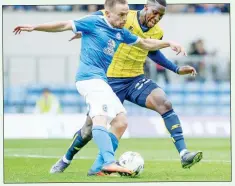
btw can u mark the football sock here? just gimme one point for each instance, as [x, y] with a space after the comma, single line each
[172, 124]
[97, 165]
[103, 141]
[77, 143]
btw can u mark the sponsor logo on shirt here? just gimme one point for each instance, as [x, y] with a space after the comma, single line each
[109, 50]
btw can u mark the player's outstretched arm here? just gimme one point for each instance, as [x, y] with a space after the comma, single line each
[160, 59]
[154, 44]
[46, 27]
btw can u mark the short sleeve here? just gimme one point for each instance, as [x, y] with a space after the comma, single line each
[130, 38]
[85, 24]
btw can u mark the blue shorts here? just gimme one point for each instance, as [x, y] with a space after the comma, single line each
[135, 90]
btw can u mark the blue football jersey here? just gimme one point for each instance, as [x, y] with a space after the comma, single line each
[99, 42]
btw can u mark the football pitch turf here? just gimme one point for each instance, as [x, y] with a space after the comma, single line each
[29, 161]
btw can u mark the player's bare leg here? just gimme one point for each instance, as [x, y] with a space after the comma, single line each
[158, 102]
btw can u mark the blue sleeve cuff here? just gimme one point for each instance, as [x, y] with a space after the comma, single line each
[177, 70]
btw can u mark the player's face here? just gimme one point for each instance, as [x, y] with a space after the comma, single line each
[118, 15]
[153, 15]
[46, 94]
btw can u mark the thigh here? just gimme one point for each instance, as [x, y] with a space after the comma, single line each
[140, 89]
[101, 99]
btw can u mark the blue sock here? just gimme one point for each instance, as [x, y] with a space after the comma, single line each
[97, 165]
[172, 124]
[103, 141]
[76, 145]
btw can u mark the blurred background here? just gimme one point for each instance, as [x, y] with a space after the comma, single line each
[179, 8]
[37, 61]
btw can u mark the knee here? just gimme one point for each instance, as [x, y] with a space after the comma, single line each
[158, 101]
[121, 123]
[167, 105]
[163, 106]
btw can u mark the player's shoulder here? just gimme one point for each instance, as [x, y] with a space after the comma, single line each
[99, 12]
[158, 28]
[93, 17]
[97, 17]
[131, 14]
[125, 30]
[157, 31]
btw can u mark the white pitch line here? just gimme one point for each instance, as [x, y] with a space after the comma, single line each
[87, 157]
[42, 156]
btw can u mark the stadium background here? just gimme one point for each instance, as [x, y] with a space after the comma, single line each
[33, 61]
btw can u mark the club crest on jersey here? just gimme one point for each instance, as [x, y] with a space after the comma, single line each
[118, 36]
[105, 108]
[109, 50]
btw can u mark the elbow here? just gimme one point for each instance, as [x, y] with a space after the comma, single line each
[66, 25]
[150, 45]
[145, 45]
[153, 49]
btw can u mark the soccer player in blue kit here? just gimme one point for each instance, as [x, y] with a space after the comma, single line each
[101, 38]
[126, 72]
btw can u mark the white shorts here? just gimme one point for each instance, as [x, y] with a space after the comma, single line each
[100, 98]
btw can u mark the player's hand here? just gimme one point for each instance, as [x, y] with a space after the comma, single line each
[76, 36]
[27, 28]
[187, 70]
[178, 48]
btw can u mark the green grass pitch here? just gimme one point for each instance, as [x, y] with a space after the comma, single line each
[29, 161]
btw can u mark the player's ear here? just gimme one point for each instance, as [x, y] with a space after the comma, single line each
[107, 13]
[145, 7]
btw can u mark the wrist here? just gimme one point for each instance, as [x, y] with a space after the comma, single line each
[170, 43]
[177, 70]
[34, 27]
[165, 44]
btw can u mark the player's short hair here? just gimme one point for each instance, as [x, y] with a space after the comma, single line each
[112, 3]
[161, 2]
[46, 89]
